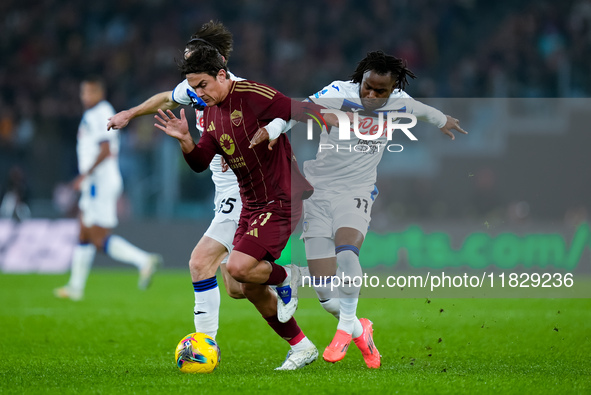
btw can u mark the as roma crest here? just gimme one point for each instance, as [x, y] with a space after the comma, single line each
[236, 117]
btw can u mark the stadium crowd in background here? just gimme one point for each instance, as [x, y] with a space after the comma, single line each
[458, 48]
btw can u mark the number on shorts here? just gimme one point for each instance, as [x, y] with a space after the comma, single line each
[265, 219]
[267, 216]
[227, 202]
[359, 200]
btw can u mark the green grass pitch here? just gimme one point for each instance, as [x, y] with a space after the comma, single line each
[121, 340]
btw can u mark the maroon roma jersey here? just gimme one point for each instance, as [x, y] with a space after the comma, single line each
[263, 175]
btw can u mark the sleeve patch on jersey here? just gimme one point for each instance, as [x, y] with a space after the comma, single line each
[374, 193]
[322, 92]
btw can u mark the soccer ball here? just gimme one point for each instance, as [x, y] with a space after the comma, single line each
[197, 353]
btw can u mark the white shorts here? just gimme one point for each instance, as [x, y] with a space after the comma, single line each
[223, 233]
[223, 226]
[319, 248]
[325, 212]
[227, 204]
[98, 201]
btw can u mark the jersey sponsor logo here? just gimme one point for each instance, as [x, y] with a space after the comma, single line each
[236, 117]
[236, 163]
[227, 144]
[200, 120]
[318, 94]
[211, 127]
[365, 128]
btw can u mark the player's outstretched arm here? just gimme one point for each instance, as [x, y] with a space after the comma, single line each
[175, 127]
[452, 124]
[435, 117]
[197, 156]
[162, 100]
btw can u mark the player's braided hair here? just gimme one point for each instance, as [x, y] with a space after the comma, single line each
[383, 64]
[214, 34]
[204, 59]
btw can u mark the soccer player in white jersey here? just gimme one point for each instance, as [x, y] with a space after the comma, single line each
[337, 215]
[100, 186]
[213, 248]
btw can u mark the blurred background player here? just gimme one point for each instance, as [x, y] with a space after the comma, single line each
[213, 248]
[14, 200]
[271, 186]
[337, 215]
[100, 185]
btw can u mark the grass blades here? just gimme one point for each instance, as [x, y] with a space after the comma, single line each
[121, 340]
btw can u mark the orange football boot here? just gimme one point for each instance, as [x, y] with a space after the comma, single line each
[337, 348]
[365, 343]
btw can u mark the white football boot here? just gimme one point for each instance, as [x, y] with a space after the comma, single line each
[299, 359]
[148, 271]
[287, 293]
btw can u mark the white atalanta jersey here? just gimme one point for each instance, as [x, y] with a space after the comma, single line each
[91, 133]
[351, 164]
[185, 95]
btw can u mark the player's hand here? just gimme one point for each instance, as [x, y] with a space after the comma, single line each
[119, 120]
[452, 123]
[260, 136]
[77, 182]
[175, 127]
[224, 164]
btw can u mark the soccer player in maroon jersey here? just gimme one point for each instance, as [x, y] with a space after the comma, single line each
[271, 186]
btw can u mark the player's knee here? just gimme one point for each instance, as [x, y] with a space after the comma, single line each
[196, 264]
[238, 272]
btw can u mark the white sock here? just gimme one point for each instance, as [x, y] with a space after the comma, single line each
[327, 295]
[302, 345]
[122, 250]
[82, 259]
[207, 306]
[357, 329]
[349, 271]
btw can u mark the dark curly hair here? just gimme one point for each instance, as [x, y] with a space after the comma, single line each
[204, 59]
[214, 34]
[383, 64]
